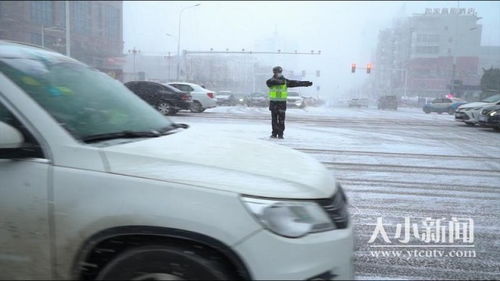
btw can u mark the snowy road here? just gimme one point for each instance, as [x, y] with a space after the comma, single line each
[394, 165]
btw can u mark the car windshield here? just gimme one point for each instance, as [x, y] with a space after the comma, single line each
[492, 99]
[84, 101]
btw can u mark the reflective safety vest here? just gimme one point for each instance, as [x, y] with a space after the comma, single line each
[278, 92]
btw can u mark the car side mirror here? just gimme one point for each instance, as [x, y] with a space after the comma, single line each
[13, 146]
[10, 137]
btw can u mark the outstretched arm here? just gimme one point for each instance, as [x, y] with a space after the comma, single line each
[296, 83]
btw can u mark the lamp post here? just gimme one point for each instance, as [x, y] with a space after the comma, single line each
[68, 37]
[134, 52]
[169, 57]
[179, 38]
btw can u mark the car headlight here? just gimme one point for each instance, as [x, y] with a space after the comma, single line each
[493, 113]
[289, 218]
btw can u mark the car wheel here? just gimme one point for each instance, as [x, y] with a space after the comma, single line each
[196, 107]
[166, 108]
[165, 263]
[469, 124]
[497, 129]
[427, 111]
[451, 111]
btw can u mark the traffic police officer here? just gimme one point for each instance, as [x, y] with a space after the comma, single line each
[278, 92]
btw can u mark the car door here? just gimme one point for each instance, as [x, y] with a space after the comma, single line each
[25, 235]
[446, 104]
[437, 104]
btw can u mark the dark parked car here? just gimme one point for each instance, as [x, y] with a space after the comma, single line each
[166, 99]
[490, 117]
[388, 102]
[257, 99]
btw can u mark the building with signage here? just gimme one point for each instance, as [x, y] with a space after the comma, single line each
[96, 29]
[426, 54]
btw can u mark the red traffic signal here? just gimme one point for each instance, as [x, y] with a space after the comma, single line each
[369, 68]
[353, 68]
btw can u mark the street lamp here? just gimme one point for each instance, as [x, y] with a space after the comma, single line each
[134, 52]
[179, 38]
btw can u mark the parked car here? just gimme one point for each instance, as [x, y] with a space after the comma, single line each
[202, 98]
[226, 98]
[490, 117]
[295, 100]
[257, 99]
[388, 102]
[469, 112]
[441, 105]
[166, 99]
[358, 103]
[93, 177]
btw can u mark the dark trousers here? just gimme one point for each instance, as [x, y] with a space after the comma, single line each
[278, 109]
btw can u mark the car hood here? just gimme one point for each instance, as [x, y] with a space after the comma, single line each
[223, 162]
[474, 104]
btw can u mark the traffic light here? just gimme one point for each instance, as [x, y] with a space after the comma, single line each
[369, 68]
[353, 68]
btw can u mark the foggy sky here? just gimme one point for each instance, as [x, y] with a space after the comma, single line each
[345, 32]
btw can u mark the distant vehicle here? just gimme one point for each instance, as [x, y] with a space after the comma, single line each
[166, 99]
[388, 102]
[358, 103]
[312, 101]
[490, 117]
[441, 105]
[469, 112]
[295, 100]
[240, 98]
[225, 98]
[257, 99]
[202, 98]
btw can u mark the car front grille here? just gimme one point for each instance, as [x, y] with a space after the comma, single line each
[336, 208]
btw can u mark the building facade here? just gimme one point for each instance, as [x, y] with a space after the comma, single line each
[429, 54]
[96, 29]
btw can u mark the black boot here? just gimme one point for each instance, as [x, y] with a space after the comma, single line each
[273, 136]
[280, 137]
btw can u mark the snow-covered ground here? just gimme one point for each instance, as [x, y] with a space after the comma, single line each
[393, 164]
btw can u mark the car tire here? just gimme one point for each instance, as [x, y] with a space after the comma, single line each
[496, 129]
[427, 111]
[160, 262]
[196, 107]
[166, 108]
[469, 124]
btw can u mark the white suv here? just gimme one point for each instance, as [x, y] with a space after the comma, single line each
[202, 98]
[96, 184]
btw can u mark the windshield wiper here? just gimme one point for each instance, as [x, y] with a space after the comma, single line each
[121, 135]
[134, 134]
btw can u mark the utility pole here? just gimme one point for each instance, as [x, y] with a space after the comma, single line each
[68, 37]
[179, 39]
